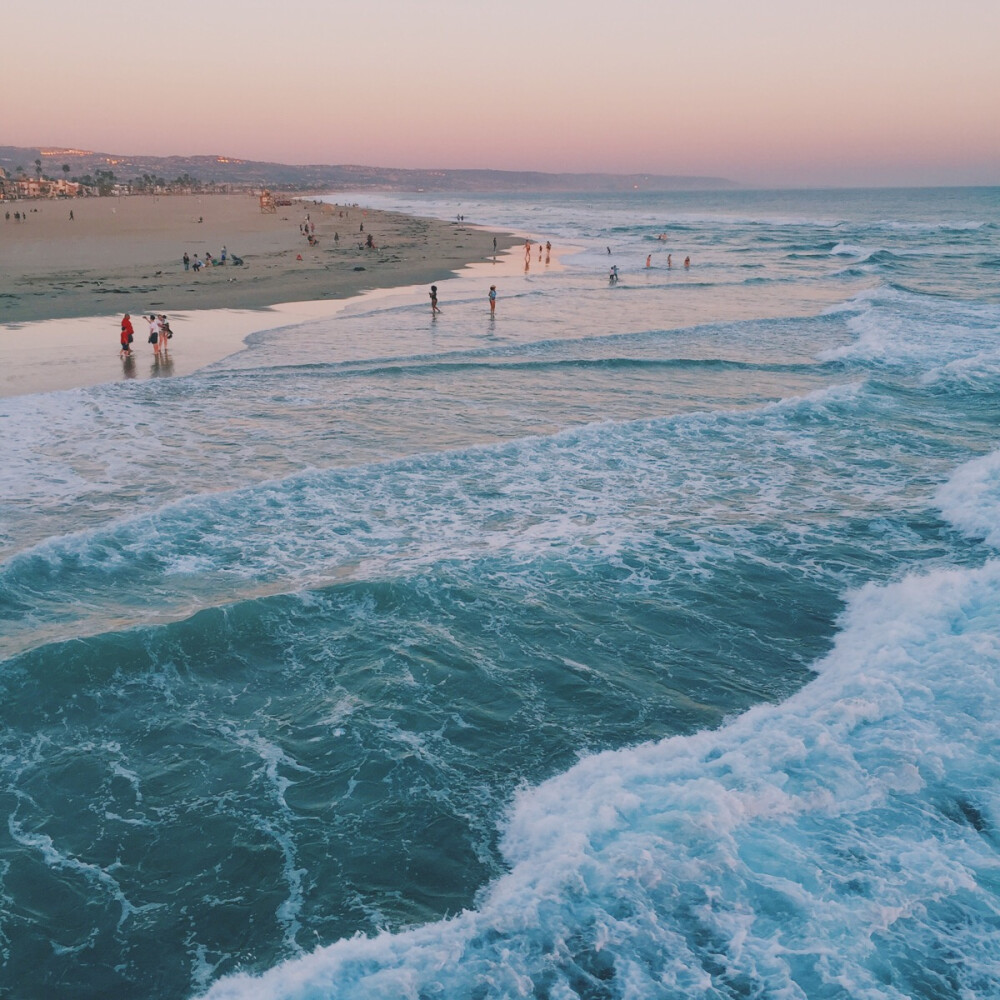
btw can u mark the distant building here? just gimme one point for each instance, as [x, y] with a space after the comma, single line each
[39, 187]
[30, 187]
[63, 188]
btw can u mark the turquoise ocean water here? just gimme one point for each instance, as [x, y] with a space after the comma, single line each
[642, 643]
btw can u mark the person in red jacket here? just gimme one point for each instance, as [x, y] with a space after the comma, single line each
[127, 334]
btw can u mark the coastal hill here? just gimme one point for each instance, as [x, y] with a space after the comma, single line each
[212, 172]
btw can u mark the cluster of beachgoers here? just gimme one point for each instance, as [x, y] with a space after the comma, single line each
[132, 248]
[67, 280]
[159, 334]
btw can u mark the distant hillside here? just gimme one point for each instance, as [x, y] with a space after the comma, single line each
[215, 171]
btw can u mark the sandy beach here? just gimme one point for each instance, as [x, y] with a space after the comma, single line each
[65, 283]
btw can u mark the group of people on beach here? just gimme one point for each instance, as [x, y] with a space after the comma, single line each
[308, 230]
[159, 334]
[547, 247]
[197, 264]
[491, 298]
[613, 274]
[492, 295]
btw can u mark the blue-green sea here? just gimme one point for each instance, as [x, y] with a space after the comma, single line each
[642, 642]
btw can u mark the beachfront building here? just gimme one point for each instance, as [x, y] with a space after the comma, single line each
[63, 188]
[29, 187]
[40, 187]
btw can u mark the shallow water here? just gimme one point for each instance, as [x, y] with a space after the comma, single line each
[642, 642]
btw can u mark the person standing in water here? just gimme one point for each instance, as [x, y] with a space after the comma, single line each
[127, 334]
[493, 301]
[154, 334]
[434, 300]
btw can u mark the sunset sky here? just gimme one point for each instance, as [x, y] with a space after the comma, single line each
[769, 93]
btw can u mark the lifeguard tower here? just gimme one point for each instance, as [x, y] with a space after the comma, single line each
[267, 205]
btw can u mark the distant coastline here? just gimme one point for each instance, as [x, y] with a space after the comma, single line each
[205, 174]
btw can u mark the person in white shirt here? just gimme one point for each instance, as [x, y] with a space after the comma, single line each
[154, 333]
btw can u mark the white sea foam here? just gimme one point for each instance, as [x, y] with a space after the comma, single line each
[971, 498]
[311, 528]
[551, 495]
[802, 846]
[850, 250]
[903, 328]
[977, 373]
[660, 445]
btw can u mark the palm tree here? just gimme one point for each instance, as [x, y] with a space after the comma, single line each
[38, 168]
[105, 182]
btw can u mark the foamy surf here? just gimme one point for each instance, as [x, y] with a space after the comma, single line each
[826, 844]
[638, 642]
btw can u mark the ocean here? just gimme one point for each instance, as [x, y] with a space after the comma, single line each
[643, 642]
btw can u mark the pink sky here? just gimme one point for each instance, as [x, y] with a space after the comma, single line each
[768, 93]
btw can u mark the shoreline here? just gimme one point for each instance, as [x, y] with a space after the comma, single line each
[57, 331]
[204, 337]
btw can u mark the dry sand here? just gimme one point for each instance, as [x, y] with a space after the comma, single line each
[124, 254]
[64, 284]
